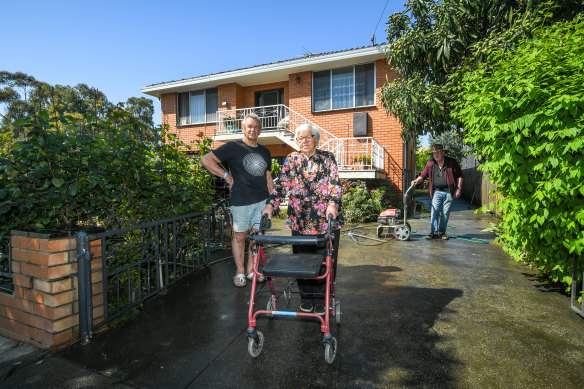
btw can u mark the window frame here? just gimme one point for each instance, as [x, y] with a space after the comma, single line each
[189, 122]
[354, 84]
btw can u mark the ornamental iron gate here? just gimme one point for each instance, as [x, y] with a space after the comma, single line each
[135, 264]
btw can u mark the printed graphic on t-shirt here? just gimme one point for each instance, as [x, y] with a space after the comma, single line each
[254, 164]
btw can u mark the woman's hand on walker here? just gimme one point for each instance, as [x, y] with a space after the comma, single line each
[332, 210]
[268, 210]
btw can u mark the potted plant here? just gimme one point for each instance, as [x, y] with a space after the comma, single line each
[363, 160]
[229, 123]
[366, 160]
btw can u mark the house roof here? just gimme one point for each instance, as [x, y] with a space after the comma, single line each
[271, 72]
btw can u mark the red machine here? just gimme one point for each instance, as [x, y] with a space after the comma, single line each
[390, 218]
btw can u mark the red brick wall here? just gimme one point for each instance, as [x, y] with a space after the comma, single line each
[44, 310]
[385, 129]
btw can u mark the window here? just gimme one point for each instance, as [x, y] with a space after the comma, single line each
[197, 107]
[348, 87]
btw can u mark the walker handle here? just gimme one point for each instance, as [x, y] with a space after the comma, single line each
[265, 223]
[332, 223]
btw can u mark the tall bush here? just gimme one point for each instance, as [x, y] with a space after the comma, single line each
[89, 171]
[363, 204]
[523, 112]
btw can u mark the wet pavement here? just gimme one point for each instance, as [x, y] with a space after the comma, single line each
[419, 313]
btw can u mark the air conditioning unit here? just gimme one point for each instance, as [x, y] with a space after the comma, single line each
[360, 123]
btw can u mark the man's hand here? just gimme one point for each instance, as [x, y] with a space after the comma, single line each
[415, 182]
[458, 193]
[229, 180]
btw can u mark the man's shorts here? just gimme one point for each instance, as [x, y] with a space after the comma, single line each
[245, 216]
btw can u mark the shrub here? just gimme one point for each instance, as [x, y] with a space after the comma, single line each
[361, 204]
[71, 172]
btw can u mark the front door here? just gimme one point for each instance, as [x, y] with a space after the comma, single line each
[269, 97]
[274, 111]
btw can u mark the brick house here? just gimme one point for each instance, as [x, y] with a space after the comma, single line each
[336, 91]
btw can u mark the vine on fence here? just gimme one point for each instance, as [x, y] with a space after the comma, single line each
[523, 112]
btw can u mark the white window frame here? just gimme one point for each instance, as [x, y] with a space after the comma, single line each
[354, 83]
[189, 122]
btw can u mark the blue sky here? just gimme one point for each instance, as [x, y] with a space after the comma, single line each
[120, 46]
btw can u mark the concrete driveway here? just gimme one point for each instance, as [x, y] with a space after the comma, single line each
[452, 314]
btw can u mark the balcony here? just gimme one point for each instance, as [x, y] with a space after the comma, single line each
[357, 158]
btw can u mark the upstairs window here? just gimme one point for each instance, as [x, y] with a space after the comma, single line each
[349, 87]
[197, 106]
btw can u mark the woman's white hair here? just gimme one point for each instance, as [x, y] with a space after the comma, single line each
[313, 129]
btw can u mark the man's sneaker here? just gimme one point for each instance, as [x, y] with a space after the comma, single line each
[319, 309]
[432, 235]
[444, 236]
[306, 306]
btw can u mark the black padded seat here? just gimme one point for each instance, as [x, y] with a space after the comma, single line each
[297, 266]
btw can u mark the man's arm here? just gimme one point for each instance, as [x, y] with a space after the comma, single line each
[212, 164]
[425, 173]
[458, 188]
[270, 181]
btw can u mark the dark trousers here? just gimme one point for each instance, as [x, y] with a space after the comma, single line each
[314, 290]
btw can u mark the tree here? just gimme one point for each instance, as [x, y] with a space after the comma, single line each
[14, 98]
[23, 95]
[142, 109]
[431, 39]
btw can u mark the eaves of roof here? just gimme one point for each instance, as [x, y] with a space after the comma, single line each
[271, 72]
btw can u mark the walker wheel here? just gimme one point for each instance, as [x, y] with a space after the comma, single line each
[255, 349]
[330, 351]
[402, 232]
[338, 312]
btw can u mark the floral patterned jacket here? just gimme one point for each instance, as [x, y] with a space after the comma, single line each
[311, 185]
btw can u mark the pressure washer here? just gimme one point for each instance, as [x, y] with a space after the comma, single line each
[390, 219]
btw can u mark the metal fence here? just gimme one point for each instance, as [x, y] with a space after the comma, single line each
[5, 258]
[5, 265]
[138, 262]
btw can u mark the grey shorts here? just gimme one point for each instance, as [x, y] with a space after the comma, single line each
[246, 216]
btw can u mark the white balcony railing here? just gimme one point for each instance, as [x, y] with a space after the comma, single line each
[350, 153]
[360, 153]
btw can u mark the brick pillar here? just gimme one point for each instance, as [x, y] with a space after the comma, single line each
[43, 310]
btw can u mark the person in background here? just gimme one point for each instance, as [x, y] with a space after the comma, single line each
[250, 182]
[445, 185]
[310, 179]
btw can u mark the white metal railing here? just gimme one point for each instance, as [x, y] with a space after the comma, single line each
[361, 153]
[350, 153]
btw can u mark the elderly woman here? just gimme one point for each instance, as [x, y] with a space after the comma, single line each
[310, 178]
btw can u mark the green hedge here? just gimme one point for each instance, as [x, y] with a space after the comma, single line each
[73, 172]
[523, 112]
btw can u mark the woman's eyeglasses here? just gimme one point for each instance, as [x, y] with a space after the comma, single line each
[303, 138]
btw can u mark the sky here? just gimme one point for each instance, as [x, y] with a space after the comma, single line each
[121, 46]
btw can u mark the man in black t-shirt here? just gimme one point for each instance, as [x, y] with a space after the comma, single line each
[250, 181]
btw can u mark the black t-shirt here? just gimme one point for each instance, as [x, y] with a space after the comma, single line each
[248, 166]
